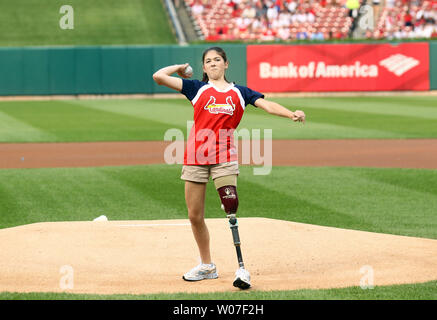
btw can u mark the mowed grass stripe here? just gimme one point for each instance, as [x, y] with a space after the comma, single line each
[339, 197]
[12, 129]
[149, 119]
[66, 122]
[403, 126]
[353, 198]
[283, 128]
[169, 112]
[82, 194]
[417, 106]
[175, 112]
[416, 291]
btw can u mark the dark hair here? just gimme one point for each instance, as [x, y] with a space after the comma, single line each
[220, 52]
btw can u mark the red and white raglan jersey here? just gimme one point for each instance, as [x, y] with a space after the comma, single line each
[217, 114]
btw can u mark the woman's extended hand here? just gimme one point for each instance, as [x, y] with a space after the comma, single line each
[298, 115]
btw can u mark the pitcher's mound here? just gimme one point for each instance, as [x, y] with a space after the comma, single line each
[140, 257]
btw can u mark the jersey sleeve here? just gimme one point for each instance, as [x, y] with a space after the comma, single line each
[249, 95]
[190, 88]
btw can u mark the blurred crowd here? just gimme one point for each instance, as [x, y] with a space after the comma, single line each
[403, 19]
[295, 19]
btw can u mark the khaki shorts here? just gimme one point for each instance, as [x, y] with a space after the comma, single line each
[202, 173]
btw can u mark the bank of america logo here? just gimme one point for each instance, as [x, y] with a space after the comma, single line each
[399, 64]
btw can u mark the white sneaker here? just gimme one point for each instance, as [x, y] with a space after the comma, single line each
[202, 271]
[242, 279]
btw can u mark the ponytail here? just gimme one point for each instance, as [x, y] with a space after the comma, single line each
[205, 77]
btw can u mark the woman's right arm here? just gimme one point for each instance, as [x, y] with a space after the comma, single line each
[163, 76]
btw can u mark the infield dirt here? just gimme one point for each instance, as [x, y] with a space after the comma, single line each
[141, 257]
[391, 153]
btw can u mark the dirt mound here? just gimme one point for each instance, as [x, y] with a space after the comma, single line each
[141, 257]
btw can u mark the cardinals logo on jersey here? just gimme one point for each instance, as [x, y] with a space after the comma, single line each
[214, 108]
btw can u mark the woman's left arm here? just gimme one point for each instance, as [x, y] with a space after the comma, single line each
[278, 110]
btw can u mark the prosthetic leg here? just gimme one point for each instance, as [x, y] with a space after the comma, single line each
[229, 199]
[242, 276]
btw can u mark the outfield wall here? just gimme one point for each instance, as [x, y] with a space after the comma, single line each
[433, 65]
[101, 69]
[129, 69]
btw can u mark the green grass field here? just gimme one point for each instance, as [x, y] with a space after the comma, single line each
[389, 117]
[97, 22]
[394, 201]
[398, 201]
[422, 291]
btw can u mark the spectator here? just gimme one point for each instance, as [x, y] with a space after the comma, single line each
[236, 33]
[390, 21]
[390, 3]
[197, 8]
[221, 30]
[283, 33]
[368, 34]
[256, 26]
[292, 6]
[410, 32]
[310, 16]
[249, 12]
[301, 17]
[268, 35]
[408, 19]
[260, 8]
[302, 34]
[272, 13]
[430, 15]
[236, 12]
[278, 5]
[284, 18]
[397, 34]
[242, 23]
[434, 33]
[377, 34]
[275, 24]
[317, 35]
[420, 14]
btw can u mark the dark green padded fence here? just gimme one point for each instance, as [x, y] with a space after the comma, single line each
[101, 70]
[433, 65]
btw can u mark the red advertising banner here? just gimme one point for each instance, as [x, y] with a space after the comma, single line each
[338, 67]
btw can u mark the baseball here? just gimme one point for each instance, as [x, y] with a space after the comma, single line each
[188, 71]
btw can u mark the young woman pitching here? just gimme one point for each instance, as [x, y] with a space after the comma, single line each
[218, 107]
